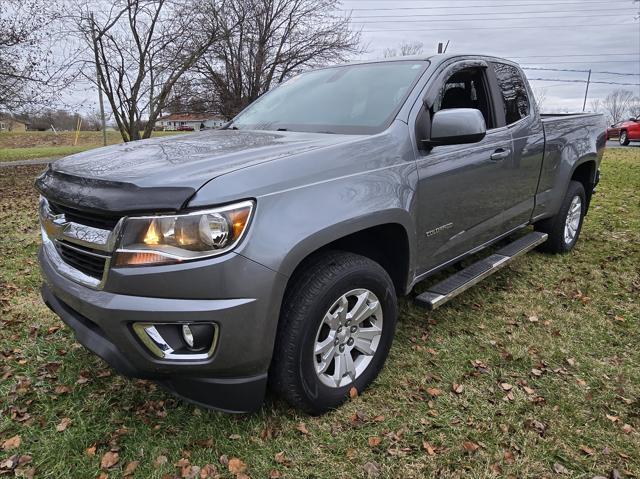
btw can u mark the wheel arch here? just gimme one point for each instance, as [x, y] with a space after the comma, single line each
[386, 240]
[585, 173]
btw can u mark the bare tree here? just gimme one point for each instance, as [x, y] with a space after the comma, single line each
[404, 49]
[141, 49]
[266, 41]
[616, 104]
[595, 105]
[540, 96]
[634, 107]
[26, 67]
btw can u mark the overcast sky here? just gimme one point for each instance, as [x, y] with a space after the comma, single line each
[603, 36]
[563, 34]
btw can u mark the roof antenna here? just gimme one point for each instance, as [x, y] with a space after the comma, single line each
[442, 50]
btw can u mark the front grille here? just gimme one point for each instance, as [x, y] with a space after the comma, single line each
[105, 221]
[90, 262]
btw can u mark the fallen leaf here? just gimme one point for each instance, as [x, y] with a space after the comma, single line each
[496, 469]
[612, 418]
[627, 429]
[508, 457]
[62, 389]
[587, 450]
[64, 424]
[281, 458]
[235, 437]
[470, 446]
[353, 393]
[374, 441]
[208, 471]
[302, 428]
[560, 469]
[429, 448]
[533, 318]
[434, 392]
[160, 460]
[506, 386]
[536, 372]
[274, 474]
[236, 466]
[457, 388]
[91, 450]
[372, 469]
[109, 459]
[12, 443]
[571, 361]
[132, 466]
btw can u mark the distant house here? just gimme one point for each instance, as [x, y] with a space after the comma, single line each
[189, 121]
[11, 124]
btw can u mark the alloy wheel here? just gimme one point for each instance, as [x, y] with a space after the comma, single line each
[348, 338]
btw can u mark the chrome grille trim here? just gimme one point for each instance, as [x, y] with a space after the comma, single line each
[89, 241]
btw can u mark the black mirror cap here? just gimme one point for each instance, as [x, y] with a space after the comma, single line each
[457, 126]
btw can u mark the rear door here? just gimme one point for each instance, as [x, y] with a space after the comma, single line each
[523, 123]
[462, 189]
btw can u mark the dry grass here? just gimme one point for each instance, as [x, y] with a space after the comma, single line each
[546, 352]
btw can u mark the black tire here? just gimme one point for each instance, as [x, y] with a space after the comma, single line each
[555, 226]
[624, 138]
[315, 288]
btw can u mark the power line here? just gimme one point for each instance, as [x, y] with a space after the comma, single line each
[413, 15]
[603, 54]
[499, 5]
[583, 62]
[579, 71]
[483, 19]
[583, 81]
[538, 27]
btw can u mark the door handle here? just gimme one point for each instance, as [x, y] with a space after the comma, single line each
[500, 154]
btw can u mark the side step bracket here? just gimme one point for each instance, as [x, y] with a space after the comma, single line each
[440, 293]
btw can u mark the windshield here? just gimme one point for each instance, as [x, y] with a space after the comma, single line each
[355, 99]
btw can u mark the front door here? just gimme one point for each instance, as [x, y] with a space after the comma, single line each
[462, 188]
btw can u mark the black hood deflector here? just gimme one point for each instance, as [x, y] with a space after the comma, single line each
[110, 196]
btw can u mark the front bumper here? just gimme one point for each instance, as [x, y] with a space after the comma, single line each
[234, 378]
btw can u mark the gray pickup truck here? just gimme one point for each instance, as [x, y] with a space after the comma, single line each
[270, 253]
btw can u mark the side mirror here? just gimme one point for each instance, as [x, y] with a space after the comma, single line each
[457, 126]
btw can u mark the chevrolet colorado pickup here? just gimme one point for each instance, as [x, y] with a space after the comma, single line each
[270, 253]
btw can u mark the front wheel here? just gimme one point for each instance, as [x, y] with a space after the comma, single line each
[624, 138]
[336, 328]
[564, 228]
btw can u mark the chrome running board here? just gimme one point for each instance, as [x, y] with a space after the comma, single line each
[440, 293]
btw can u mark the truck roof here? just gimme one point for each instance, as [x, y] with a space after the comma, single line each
[435, 58]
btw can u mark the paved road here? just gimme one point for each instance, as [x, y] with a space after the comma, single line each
[615, 144]
[40, 161]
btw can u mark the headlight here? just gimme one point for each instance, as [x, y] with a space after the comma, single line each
[170, 239]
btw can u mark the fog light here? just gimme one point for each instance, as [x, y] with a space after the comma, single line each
[197, 336]
[187, 335]
[181, 341]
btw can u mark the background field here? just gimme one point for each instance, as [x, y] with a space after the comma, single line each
[544, 357]
[32, 145]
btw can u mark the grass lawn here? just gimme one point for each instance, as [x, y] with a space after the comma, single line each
[32, 145]
[544, 356]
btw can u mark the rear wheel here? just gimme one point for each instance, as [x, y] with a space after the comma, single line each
[564, 228]
[336, 329]
[624, 138]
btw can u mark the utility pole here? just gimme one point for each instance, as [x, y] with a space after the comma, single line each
[95, 55]
[586, 92]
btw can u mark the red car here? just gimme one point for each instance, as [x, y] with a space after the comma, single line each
[625, 131]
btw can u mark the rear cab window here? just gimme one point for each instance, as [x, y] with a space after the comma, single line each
[514, 92]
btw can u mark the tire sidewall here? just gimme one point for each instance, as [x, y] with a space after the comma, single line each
[313, 388]
[575, 190]
[624, 138]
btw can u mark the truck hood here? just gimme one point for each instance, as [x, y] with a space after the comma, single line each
[163, 173]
